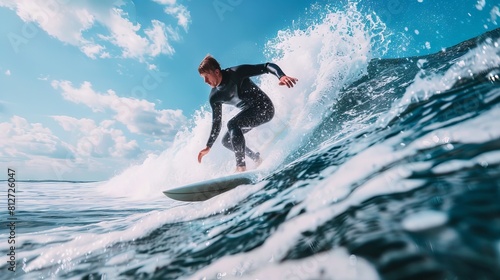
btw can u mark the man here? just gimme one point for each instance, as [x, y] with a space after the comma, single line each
[233, 86]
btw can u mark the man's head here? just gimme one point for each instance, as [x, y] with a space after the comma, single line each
[208, 64]
[210, 70]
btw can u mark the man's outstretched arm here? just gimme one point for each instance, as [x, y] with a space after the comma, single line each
[248, 70]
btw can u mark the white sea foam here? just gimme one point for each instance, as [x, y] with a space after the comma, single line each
[424, 220]
[76, 242]
[335, 264]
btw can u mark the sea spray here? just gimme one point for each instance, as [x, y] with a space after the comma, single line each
[328, 53]
[469, 63]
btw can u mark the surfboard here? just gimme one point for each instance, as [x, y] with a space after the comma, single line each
[204, 190]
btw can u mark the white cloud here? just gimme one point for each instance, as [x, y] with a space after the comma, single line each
[166, 2]
[7, 73]
[181, 13]
[94, 50]
[21, 139]
[152, 67]
[70, 22]
[139, 115]
[43, 77]
[124, 35]
[58, 19]
[99, 141]
[158, 37]
[34, 150]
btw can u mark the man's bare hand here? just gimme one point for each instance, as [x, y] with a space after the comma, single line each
[288, 81]
[203, 153]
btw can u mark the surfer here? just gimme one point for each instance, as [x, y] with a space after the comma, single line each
[232, 86]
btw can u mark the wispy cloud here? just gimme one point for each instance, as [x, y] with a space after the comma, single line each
[71, 22]
[7, 72]
[138, 115]
[42, 77]
[181, 13]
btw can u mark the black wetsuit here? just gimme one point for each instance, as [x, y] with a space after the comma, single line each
[256, 108]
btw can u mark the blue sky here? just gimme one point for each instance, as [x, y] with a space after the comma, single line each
[90, 87]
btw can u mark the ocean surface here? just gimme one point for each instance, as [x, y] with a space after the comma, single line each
[376, 167]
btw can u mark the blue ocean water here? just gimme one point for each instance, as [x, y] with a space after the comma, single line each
[377, 166]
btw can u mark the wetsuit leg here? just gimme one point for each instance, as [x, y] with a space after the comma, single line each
[243, 122]
[226, 141]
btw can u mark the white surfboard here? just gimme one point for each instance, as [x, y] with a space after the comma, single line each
[204, 190]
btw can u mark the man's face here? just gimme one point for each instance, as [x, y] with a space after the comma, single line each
[211, 78]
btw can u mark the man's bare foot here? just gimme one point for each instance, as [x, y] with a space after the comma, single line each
[240, 169]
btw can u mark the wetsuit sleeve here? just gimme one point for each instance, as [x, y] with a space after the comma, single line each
[275, 70]
[216, 123]
[246, 70]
